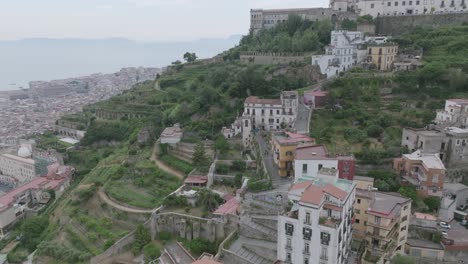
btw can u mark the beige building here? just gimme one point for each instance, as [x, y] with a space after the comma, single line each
[382, 55]
[382, 220]
[19, 170]
[364, 183]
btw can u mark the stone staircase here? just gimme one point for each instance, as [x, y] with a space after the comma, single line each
[254, 229]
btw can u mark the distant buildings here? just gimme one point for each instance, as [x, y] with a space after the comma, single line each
[284, 149]
[16, 170]
[377, 8]
[425, 171]
[382, 220]
[315, 99]
[317, 229]
[172, 135]
[382, 55]
[311, 161]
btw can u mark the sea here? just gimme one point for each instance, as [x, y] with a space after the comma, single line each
[28, 60]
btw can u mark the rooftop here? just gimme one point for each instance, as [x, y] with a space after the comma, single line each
[385, 204]
[459, 101]
[430, 161]
[229, 207]
[363, 178]
[316, 93]
[291, 138]
[456, 130]
[385, 44]
[318, 152]
[256, 100]
[17, 158]
[196, 179]
[424, 244]
[425, 216]
[313, 191]
[174, 131]
[454, 187]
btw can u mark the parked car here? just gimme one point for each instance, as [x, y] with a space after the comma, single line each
[462, 207]
[445, 225]
[444, 234]
[464, 222]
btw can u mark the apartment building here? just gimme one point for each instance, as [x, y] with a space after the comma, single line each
[455, 114]
[450, 144]
[382, 220]
[311, 160]
[318, 227]
[272, 114]
[425, 171]
[341, 54]
[382, 55]
[284, 146]
[377, 8]
[16, 170]
[30, 196]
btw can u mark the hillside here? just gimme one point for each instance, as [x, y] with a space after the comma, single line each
[111, 159]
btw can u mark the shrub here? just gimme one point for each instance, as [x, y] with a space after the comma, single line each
[238, 165]
[175, 200]
[222, 168]
[164, 236]
[176, 163]
[151, 252]
[200, 245]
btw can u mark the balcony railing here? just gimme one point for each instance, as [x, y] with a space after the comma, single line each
[323, 257]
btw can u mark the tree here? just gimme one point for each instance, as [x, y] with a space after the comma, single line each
[408, 192]
[399, 259]
[238, 180]
[151, 252]
[199, 156]
[222, 145]
[31, 230]
[209, 199]
[142, 237]
[190, 57]
[433, 203]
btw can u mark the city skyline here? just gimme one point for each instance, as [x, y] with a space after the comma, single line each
[101, 19]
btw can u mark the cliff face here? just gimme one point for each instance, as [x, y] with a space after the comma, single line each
[109, 83]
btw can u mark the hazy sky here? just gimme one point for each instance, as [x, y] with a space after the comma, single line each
[143, 20]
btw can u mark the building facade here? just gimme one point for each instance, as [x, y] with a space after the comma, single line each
[318, 227]
[341, 54]
[455, 114]
[172, 135]
[269, 18]
[311, 160]
[377, 8]
[382, 220]
[272, 114]
[425, 171]
[20, 170]
[284, 146]
[382, 55]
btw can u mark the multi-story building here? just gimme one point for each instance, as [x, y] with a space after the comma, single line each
[284, 146]
[382, 55]
[20, 170]
[272, 114]
[455, 114]
[341, 54]
[311, 160]
[377, 8]
[450, 144]
[269, 18]
[382, 220]
[425, 171]
[16, 202]
[318, 227]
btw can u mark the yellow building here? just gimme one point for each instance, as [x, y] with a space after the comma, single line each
[382, 220]
[284, 147]
[382, 55]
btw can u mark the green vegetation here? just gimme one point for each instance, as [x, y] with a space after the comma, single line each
[200, 245]
[176, 163]
[210, 200]
[190, 57]
[199, 156]
[385, 181]
[151, 252]
[50, 141]
[142, 237]
[399, 259]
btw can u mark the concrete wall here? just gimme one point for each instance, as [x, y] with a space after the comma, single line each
[396, 25]
[270, 58]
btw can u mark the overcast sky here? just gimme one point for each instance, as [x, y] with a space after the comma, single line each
[142, 20]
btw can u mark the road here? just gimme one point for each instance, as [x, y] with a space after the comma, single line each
[303, 116]
[270, 165]
[163, 166]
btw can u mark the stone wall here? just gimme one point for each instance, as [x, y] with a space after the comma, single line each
[456, 175]
[396, 25]
[270, 58]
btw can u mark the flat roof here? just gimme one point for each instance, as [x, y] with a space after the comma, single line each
[363, 178]
[424, 244]
[431, 161]
[318, 152]
[455, 187]
[20, 159]
[291, 138]
[70, 140]
[256, 100]
[386, 204]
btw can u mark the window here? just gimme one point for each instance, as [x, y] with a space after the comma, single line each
[405, 208]
[320, 166]
[288, 257]
[377, 220]
[357, 211]
[372, 6]
[458, 142]
[277, 112]
[357, 221]
[306, 248]
[417, 2]
[246, 123]
[263, 111]
[435, 178]
[307, 219]
[359, 201]
[396, 3]
[304, 168]
[289, 229]
[324, 254]
[325, 238]
[248, 111]
[403, 228]
[306, 261]
[307, 233]
[410, 3]
[288, 243]
[403, 3]
[277, 121]
[404, 219]
[389, 3]
[271, 112]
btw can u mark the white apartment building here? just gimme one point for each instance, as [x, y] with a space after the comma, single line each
[18, 169]
[272, 114]
[317, 230]
[341, 54]
[454, 114]
[377, 8]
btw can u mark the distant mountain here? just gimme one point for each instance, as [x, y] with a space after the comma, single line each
[45, 59]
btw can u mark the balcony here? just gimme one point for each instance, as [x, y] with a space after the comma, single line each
[324, 257]
[288, 247]
[330, 222]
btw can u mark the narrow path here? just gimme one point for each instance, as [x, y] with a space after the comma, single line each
[103, 196]
[163, 166]
[272, 169]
